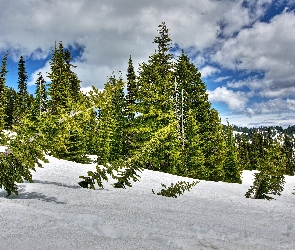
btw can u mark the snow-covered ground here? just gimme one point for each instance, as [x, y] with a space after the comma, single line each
[55, 213]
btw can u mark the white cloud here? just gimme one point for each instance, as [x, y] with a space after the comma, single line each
[212, 31]
[112, 30]
[221, 79]
[265, 47]
[208, 71]
[43, 70]
[277, 106]
[236, 101]
[257, 120]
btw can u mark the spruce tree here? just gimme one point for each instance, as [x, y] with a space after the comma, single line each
[60, 91]
[131, 95]
[130, 100]
[155, 100]
[111, 120]
[40, 102]
[232, 171]
[192, 100]
[270, 180]
[65, 105]
[243, 145]
[256, 151]
[3, 88]
[22, 94]
[289, 152]
[10, 107]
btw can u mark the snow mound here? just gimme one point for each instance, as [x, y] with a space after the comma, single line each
[55, 213]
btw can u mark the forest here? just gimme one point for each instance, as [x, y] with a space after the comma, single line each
[159, 119]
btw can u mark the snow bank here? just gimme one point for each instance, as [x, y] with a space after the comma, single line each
[55, 213]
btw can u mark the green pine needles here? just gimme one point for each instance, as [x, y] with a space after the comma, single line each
[23, 152]
[270, 180]
[175, 190]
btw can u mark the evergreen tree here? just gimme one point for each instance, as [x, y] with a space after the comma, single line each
[10, 107]
[40, 102]
[232, 171]
[194, 159]
[65, 104]
[3, 72]
[243, 151]
[289, 152]
[131, 95]
[256, 148]
[270, 179]
[155, 99]
[64, 85]
[130, 99]
[111, 121]
[192, 100]
[24, 152]
[22, 95]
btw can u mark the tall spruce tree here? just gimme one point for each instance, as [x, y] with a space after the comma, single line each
[130, 99]
[22, 94]
[65, 107]
[111, 119]
[65, 85]
[289, 151]
[155, 101]
[232, 170]
[243, 146]
[10, 107]
[40, 103]
[131, 95]
[270, 180]
[3, 88]
[192, 100]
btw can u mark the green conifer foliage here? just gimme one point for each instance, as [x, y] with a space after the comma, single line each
[193, 107]
[243, 146]
[39, 104]
[109, 133]
[193, 157]
[24, 151]
[65, 85]
[131, 95]
[10, 107]
[155, 104]
[232, 170]
[256, 149]
[22, 94]
[175, 190]
[3, 88]
[289, 151]
[130, 111]
[270, 180]
[66, 134]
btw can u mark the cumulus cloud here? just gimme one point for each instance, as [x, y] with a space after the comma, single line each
[236, 101]
[208, 71]
[221, 79]
[217, 35]
[277, 106]
[265, 47]
[112, 30]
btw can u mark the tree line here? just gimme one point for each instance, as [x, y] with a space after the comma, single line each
[163, 122]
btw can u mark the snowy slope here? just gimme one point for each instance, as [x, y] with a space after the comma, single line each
[55, 213]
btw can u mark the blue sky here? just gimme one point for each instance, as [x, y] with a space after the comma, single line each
[245, 50]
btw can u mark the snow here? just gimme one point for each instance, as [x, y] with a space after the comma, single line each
[55, 213]
[3, 149]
